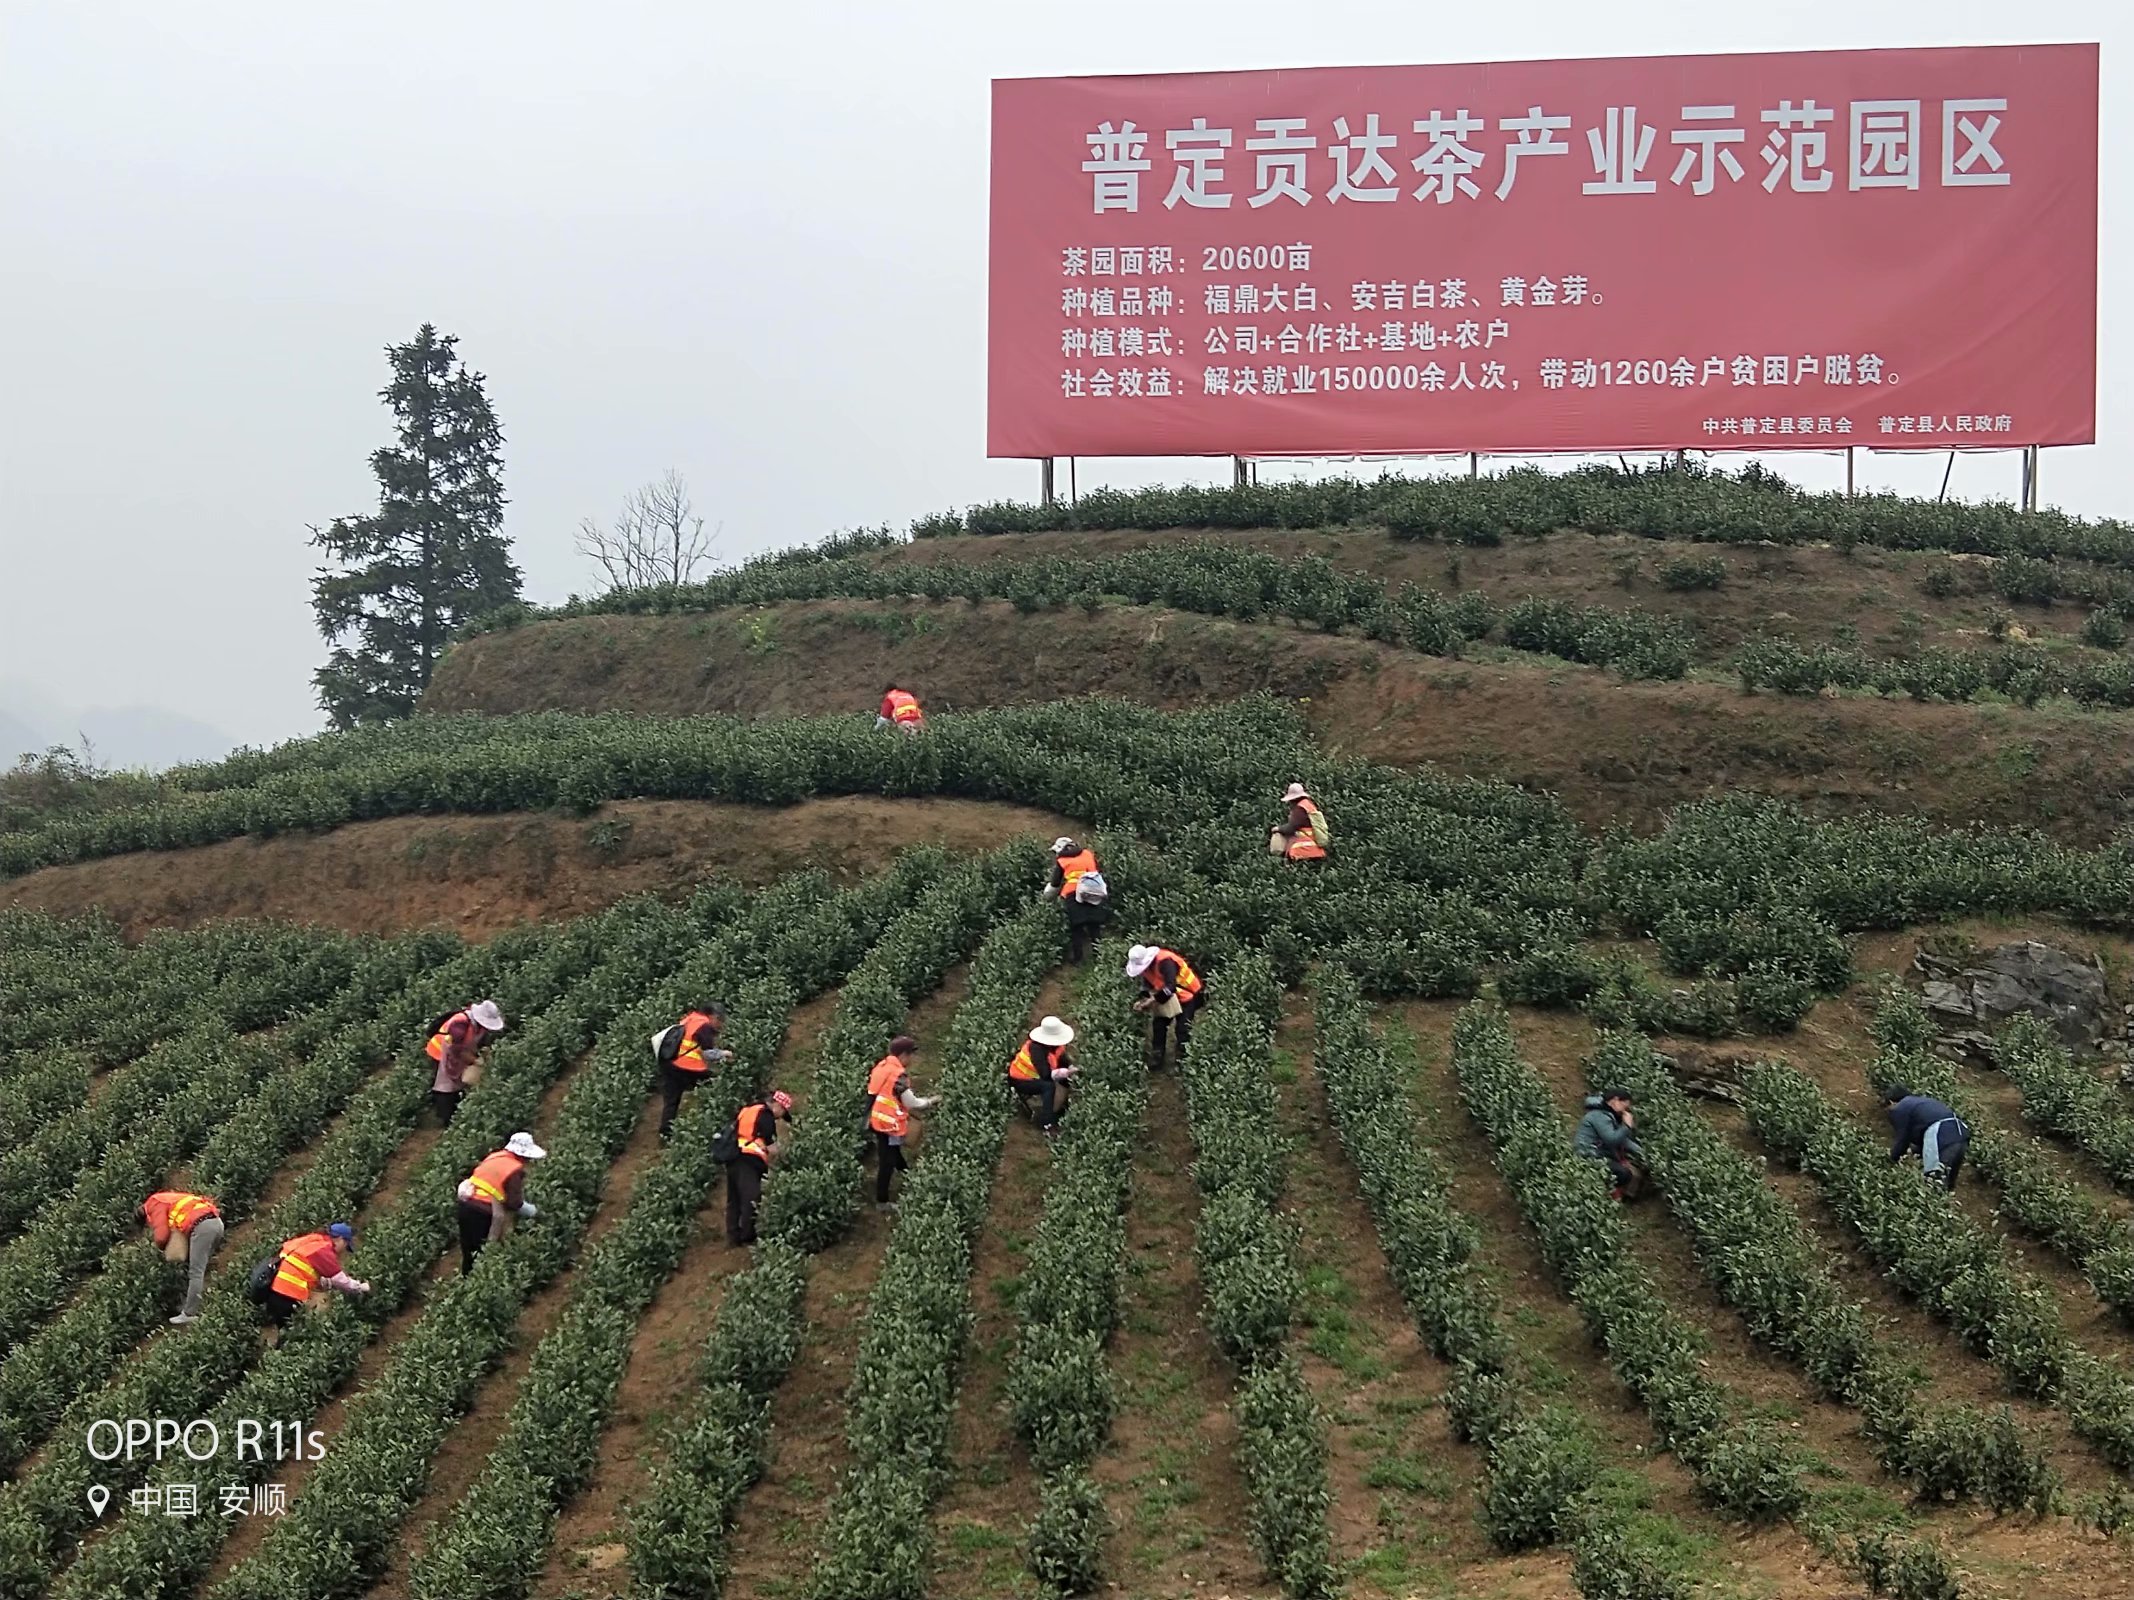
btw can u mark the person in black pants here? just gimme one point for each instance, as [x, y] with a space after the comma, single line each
[695, 1052]
[1071, 863]
[493, 1198]
[889, 1106]
[756, 1137]
[1174, 998]
[1041, 1072]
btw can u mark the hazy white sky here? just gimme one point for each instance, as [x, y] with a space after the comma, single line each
[747, 242]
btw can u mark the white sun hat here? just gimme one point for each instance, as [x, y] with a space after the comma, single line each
[1052, 1032]
[1295, 792]
[1140, 959]
[1061, 844]
[522, 1145]
[486, 1015]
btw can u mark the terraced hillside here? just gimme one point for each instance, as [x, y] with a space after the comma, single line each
[1957, 663]
[1330, 1308]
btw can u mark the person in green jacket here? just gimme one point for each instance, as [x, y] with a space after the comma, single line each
[1607, 1133]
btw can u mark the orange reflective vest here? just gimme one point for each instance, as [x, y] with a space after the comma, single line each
[1188, 985]
[1304, 844]
[690, 1057]
[494, 1172]
[1072, 869]
[755, 1130]
[442, 1038]
[1024, 1068]
[888, 1114]
[903, 706]
[177, 1211]
[304, 1261]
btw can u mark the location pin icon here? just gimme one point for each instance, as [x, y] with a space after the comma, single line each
[99, 1497]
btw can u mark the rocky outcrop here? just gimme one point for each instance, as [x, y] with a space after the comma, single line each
[1969, 1000]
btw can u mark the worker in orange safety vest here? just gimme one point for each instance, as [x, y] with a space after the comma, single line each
[694, 1046]
[755, 1148]
[188, 1228]
[890, 1104]
[900, 710]
[303, 1265]
[1175, 993]
[454, 1044]
[1041, 1072]
[1303, 834]
[1082, 891]
[493, 1197]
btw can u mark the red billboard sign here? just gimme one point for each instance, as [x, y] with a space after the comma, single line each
[1882, 247]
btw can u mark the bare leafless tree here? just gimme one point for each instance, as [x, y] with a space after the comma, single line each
[656, 541]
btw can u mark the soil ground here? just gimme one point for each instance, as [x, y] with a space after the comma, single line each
[247, 1532]
[480, 875]
[2006, 1557]
[1405, 1493]
[467, 1447]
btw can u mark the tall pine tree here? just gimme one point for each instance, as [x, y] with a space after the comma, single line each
[431, 556]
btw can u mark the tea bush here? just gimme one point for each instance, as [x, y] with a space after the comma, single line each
[214, 1368]
[1754, 1249]
[1688, 502]
[1246, 1254]
[900, 1403]
[1935, 1254]
[1739, 1463]
[494, 1542]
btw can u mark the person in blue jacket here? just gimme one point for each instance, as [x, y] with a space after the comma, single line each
[1607, 1134]
[1919, 1122]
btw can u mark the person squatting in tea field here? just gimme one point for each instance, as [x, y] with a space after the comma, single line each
[1041, 1072]
[1606, 1133]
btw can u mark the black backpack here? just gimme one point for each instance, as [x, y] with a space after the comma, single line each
[726, 1146]
[261, 1278]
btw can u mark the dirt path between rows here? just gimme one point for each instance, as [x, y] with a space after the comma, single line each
[1562, 1363]
[1170, 1471]
[587, 1552]
[778, 1520]
[1555, 1044]
[1404, 1492]
[982, 1517]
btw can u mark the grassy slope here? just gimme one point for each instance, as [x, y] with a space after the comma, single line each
[1614, 751]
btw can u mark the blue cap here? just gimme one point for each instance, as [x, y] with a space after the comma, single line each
[342, 1231]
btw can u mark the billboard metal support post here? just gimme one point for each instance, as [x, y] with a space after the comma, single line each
[1044, 481]
[2030, 478]
[1074, 495]
[1474, 464]
[1848, 472]
[1237, 472]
